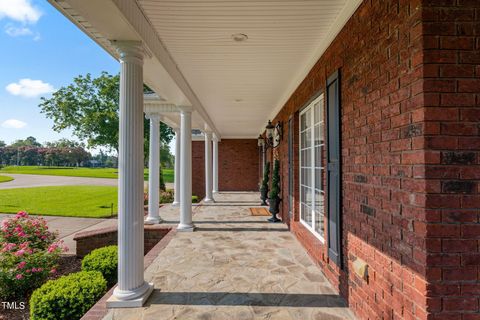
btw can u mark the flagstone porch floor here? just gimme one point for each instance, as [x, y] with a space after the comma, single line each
[235, 266]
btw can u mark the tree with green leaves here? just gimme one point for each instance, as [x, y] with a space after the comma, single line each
[64, 143]
[28, 142]
[90, 106]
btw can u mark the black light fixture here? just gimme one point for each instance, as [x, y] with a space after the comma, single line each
[261, 141]
[270, 128]
[274, 134]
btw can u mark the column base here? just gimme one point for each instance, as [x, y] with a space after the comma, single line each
[215, 191]
[185, 227]
[175, 204]
[150, 220]
[120, 298]
[208, 200]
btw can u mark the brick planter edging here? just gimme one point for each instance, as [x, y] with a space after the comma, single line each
[94, 239]
[99, 310]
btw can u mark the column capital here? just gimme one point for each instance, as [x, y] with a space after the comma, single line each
[129, 51]
[153, 116]
[208, 134]
[185, 109]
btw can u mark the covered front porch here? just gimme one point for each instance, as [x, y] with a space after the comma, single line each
[235, 266]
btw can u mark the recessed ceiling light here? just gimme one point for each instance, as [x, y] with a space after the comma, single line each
[238, 100]
[239, 37]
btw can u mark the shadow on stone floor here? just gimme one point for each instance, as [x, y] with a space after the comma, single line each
[255, 203]
[246, 299]
[241, 229]
[217, 204]
[221, 222]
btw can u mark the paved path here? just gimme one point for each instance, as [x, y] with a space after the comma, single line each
[235, 266]
[33, 180]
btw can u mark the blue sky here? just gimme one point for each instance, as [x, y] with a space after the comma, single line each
[42, 47]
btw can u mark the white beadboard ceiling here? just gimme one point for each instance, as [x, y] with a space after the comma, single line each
[233, 87]
[242, 84]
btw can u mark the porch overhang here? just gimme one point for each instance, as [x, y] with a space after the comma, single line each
[192, 60]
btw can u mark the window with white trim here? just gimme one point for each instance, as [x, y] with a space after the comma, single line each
[312, 170]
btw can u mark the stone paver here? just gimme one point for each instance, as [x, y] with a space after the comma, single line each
[235, 266]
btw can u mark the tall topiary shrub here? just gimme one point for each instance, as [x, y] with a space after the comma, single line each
[274, 196]
[264, 185]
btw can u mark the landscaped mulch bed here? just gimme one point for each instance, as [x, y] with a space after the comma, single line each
[67, 264]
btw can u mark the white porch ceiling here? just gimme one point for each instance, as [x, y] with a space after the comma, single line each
[241, 83]
[235, 87]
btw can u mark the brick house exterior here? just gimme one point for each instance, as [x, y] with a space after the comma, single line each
[399, 230]
[410, 96]
[410, 112]
[238, 165]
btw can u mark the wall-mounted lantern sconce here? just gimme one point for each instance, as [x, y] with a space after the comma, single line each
[274, 135]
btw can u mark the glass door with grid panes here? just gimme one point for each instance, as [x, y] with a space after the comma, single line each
[312, 170]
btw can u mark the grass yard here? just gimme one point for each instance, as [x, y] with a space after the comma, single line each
[5, 179]
[78, 172]
[71, 201]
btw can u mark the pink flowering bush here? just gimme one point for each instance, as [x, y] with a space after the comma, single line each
[29, 253]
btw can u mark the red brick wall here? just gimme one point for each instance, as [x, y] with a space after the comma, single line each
[238, 165]
[379, 53]
[452, 112]
[90, 240]
[198, 169]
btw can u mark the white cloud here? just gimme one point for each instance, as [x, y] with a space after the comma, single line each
[13, 123]
[29, 88]
[19, 10]
[17, 31]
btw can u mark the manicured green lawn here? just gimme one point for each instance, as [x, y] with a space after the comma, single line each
[78, 172]
[72, 201]
[168, 175]
[5, 179]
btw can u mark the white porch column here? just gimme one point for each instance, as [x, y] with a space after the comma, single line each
[131, 290]
[186, 223]
[176, 200]
[208, 168]
[215, 164]
[154, 170]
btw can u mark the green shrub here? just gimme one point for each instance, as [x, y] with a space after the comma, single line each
[166, 196]
[194, 199]
[104, 260]
[68, 297]
[275, 192]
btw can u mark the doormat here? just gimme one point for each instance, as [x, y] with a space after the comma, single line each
[259, 212]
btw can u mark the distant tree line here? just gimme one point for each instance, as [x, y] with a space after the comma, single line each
[64, 153]
[30, 152]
